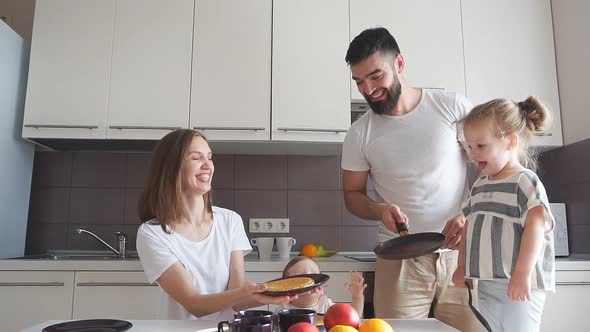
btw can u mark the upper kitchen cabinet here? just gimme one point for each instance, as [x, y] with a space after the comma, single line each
[151, 68]
[230, 95]
[310, 80]
[69, 70]
[428, 33]
[509, 53]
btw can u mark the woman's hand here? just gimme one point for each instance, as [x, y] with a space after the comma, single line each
[255, 290]
[519, 287]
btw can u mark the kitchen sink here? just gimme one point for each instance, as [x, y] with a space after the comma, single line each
[78, 256]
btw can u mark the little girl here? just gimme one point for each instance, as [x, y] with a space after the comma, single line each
[507, 240]
[316, 299]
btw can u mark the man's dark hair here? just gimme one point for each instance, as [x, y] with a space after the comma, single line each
[369, 42]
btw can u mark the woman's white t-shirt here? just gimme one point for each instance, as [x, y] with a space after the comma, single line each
[207, 262]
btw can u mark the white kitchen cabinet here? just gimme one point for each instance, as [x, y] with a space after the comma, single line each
[230, 95]
[151, 68]
[69, 69]
[509, 53]
[31, 297]
[565, 309]
[335, 287]
[310, 79]
[117, 295]
[428, 33]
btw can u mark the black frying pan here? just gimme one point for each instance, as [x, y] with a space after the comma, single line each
[409, 245]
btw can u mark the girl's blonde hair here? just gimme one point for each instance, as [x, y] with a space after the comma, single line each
[509, 117]
[162, 198]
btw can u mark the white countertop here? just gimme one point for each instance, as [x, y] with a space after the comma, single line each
[336, 263]
[406, 325]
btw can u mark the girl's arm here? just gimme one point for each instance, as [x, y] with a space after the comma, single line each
[519, 288]
[357, 288]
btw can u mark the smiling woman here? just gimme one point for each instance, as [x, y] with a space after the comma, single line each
[192, 249]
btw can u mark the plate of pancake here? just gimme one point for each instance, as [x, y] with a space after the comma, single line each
[293, 285]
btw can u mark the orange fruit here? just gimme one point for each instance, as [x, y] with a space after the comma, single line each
[375, 325]
[343, 328]
[309, 250]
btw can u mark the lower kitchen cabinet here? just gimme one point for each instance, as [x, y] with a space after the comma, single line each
[117, 295]
[31, 297]
[565, 309]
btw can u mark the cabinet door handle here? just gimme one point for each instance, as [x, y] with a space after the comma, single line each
[115, 284]
[38, 126]
[37, 284]
[314, 130]
[229, 128]
[542, 134]
[144, 127]
[573, 283]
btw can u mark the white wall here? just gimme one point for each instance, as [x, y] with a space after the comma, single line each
[16, 154]
[571, 25]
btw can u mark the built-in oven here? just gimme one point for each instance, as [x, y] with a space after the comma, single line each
[560, 232]
[357, 109]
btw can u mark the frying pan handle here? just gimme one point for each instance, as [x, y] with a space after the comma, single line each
[402, 228]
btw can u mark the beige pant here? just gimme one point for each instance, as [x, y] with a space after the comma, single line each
[408, 288]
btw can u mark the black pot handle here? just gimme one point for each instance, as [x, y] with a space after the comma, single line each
[478, 315]
[220, 325]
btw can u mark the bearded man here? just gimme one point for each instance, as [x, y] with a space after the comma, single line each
[409, 144]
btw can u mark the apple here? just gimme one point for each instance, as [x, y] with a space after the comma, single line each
[303, 327]
[341, 314]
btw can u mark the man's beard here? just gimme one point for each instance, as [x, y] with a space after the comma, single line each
[391, 99]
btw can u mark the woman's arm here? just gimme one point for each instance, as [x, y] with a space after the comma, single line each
[176, 282]
[237, 278]
[519, 288]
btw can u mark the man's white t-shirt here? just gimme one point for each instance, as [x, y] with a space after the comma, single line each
[414, 160]
[207, 262]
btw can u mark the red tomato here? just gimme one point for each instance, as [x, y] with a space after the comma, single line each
[341, 314]
[303, 327]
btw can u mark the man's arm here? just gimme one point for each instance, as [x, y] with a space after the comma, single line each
[357, 202]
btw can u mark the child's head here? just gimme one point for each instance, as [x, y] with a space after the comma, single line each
[499, 131]
[304, 265]
[300, 265]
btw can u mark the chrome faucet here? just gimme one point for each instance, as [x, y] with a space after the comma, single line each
[121, 239]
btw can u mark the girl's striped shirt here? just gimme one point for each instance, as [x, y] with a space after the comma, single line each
[496, 212]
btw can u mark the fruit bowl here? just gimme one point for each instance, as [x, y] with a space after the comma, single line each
[326, 253]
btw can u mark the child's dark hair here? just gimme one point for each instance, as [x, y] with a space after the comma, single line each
[508, 117]
[369, 42]
[294, 261]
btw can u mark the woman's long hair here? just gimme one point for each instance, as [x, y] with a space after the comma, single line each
[162, 197]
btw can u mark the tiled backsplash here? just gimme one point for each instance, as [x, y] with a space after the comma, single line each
[564, 172]
[99, 191]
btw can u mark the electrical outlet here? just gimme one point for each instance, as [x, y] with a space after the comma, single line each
[269, 225]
